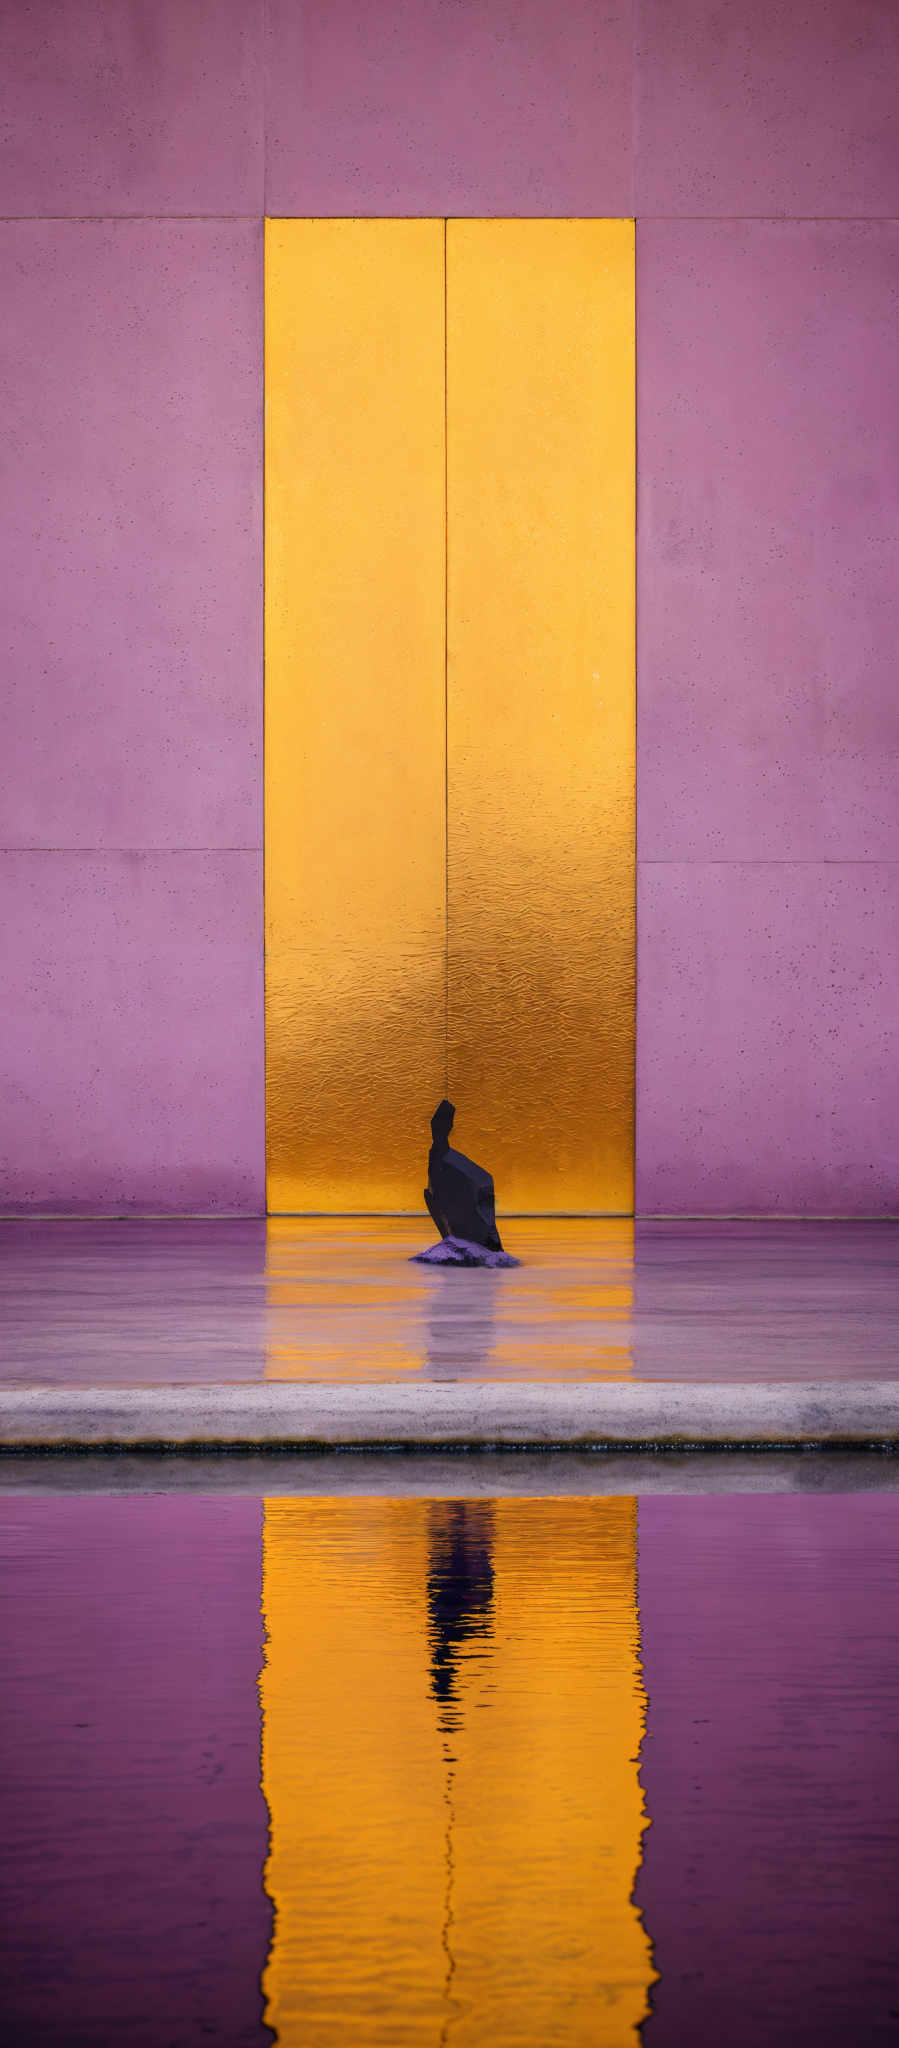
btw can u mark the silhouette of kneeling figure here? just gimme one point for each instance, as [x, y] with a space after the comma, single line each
[460, 1198]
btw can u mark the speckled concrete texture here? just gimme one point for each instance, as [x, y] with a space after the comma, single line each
[130, 787]
[768, 735]
[768, 429]
[130, 366]
[131, 387]
[767, 1038]
[759, 107]
[449, 107]
[132, 1050]
[131, 106]
[860, 1411]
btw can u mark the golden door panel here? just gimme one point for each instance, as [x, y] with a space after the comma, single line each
[541, 706]
[505, 976]
[355, 709]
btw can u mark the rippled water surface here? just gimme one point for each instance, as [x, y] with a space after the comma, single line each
[379, 1770]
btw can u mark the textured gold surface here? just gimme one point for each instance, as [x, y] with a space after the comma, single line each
[452, 1713]
[509, 977]
[541, 706]
[355, 709]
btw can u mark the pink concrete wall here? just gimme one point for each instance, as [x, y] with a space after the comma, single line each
[131, 106]
[768, 824]
[130, 837]
[130, 775]
[768, 505]
[483, 107]
[752, 107]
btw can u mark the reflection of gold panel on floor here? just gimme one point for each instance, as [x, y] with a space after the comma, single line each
[345, 1301]
[342, 1300]
[541, 706]
[452, 1712]
[355, 712]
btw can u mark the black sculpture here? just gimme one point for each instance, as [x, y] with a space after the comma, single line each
[460, 1198]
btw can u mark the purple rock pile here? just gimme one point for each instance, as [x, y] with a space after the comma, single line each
[459, 1251]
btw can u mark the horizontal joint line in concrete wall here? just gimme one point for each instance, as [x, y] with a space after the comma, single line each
[775, 219]
[762, 860]
[94, 850]
[97, 219]
[763, 219]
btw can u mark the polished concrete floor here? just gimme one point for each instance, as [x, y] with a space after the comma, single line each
[136, 1303]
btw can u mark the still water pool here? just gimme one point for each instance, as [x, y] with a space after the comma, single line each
[462, 1771]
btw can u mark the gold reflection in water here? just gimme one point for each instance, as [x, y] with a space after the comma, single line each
[452, 1713]
[343, 1302]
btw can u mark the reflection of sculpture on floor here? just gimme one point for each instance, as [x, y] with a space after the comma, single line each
[460, 1326]
[460, 1198]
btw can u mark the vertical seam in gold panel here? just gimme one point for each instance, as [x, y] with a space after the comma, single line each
[445, 685]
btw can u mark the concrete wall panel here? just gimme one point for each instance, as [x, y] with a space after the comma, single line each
[132, 1068]
[130, 792]
[756, 107]
[448, 107]
[131, 106]
[768, 397]
[767, 1038]
[131, 381]
[768, 731]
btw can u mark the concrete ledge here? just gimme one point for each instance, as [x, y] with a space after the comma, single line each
[469, 1415]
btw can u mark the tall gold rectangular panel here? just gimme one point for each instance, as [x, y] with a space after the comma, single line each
[541, 706]
[355, 708]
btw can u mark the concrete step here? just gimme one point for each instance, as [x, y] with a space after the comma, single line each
[476, 1414]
